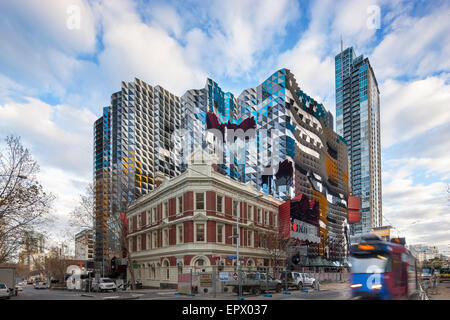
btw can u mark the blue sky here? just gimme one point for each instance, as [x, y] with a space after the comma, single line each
[54, 79]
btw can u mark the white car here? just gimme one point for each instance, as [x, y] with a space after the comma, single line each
[19, 287]
[299, 280]
[4, 291]
[103, 284]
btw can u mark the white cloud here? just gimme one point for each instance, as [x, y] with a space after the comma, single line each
[409, 109]
[59, 136]
[414, 46]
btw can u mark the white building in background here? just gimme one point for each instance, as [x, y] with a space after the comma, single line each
[84, 245]
[424, 252]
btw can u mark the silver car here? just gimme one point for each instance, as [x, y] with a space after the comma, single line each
[103, 284]
[4, 291]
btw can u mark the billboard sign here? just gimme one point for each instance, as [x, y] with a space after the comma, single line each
[304, 231]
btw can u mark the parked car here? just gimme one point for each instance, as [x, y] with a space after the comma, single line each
[4, 291]
[298, 280]
[41, 285]
[103, 284]
[19, 287]
[255, 282]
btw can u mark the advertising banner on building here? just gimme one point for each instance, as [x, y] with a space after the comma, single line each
[304, 231]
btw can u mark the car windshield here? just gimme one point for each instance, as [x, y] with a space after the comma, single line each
[376, 263]
[106, 280]
[2, 286]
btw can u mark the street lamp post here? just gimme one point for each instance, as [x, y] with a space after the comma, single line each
[237, 237]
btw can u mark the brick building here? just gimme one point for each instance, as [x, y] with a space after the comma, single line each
[186, 222]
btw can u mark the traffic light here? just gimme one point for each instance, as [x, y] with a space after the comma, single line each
[113, 264]
[296, 259]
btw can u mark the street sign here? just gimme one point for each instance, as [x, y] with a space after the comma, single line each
[232, 257]
[235, 276]
[223, 276]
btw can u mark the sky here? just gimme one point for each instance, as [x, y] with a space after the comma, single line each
[60, 61]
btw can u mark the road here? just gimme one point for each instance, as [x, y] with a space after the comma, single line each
[29, 293]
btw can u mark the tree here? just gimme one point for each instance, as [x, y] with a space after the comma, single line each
[84, 216]
[24, 205]
[276, 247]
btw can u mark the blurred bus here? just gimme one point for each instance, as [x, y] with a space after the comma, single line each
[382, 270]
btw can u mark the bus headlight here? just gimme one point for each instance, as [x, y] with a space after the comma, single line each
[377, 286]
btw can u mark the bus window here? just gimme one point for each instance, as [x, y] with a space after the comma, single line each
[374, 263]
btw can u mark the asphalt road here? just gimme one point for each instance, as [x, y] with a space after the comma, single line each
[29, 293]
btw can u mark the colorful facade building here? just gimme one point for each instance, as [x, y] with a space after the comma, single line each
[273, 137]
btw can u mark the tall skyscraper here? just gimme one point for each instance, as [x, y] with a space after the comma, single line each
[358, 121]
[132, 141]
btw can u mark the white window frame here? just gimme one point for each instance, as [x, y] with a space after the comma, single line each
[234, 233]
[165, 240]
[222, 203]
[148, 238]
[266, 217]
[223, 232]
[204, 232]
[139, 243]
[178, 233]
[250, 238]
[250, 212]
[180, 210]
[204, 201]
[165, 208]
[139, 220]
[259, 215]
[154, 214]
[154, 239]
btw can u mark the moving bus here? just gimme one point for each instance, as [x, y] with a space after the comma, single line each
[382, 270]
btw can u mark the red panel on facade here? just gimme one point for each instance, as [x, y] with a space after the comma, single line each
[284, 212]
[172, 207]
[134, 223]
[134, 244]
[210, 201]
[188, 231]
[144, 219]
[211, 231]
[143, 242]
[172, 236]
[188, 201]
[228, 206]
[354, 205]
[228, 232]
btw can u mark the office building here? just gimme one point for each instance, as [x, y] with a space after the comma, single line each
[358, 121]
[84, 245]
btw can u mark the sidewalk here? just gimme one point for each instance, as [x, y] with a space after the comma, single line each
[443, 292]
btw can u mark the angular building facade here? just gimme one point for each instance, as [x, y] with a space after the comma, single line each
[286, 144]
[358, 121]
[132, 141]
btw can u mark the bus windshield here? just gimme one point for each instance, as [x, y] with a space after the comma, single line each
[376, 263]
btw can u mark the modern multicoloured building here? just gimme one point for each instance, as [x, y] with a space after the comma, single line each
[358, 121]
[287, 144]
[273, 136]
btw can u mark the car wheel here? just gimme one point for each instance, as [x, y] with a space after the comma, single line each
[114, 290]
[300, 285]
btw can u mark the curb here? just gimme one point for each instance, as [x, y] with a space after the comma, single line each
[86, 295]
[122, 298]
